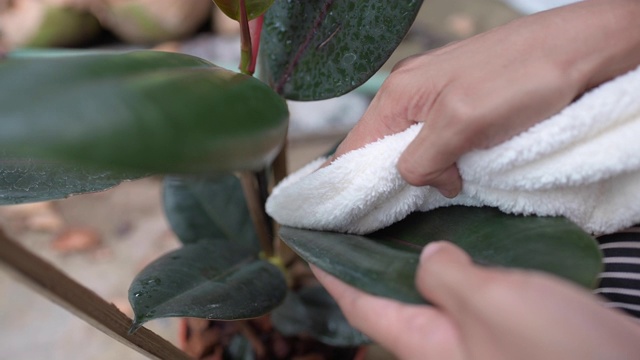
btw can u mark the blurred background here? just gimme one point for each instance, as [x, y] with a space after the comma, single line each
[102, 240]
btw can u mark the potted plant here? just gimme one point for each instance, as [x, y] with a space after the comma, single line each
[219, 136]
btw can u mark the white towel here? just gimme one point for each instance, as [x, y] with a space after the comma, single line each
[582, 163]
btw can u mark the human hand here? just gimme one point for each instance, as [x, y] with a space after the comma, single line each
[486, 313]
[479, 92]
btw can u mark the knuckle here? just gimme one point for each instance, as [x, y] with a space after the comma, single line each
[465, 123]
[391, 84]
[458, 106]
[414, 175]
[406, 63]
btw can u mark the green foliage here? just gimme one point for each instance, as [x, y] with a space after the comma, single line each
[144, 110]
[205, 208]
[28, 180]
[315, 50]
[384, 262]
[255, 8]
[73, 122]
[211, 279]
[312, 311]
[218, 274]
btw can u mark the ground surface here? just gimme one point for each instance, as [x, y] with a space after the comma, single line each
[131, 230]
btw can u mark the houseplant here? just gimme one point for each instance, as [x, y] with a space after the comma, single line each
[104, 117]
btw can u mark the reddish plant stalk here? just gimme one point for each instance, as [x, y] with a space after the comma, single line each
[245, 38]
[255, 30]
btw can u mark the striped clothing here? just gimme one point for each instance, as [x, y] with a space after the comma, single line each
[620, 280]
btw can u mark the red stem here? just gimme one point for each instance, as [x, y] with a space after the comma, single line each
[245, 37]
[255, 30]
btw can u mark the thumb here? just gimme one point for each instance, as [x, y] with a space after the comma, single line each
[430, 159]
[448, 278]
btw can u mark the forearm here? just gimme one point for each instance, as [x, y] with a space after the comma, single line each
[598, 39]
[479, 92]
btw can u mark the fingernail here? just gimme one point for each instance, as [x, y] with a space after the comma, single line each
[430, 249]
[449, 192]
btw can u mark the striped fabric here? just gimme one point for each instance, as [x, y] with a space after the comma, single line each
[620, 280]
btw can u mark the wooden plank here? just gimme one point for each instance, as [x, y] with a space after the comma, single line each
[82, 302]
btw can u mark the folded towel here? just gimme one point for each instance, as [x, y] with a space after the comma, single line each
[582, 163]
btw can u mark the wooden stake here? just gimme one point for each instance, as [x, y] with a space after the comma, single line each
[82, 302]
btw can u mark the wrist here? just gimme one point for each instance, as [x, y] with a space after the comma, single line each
[606, 40]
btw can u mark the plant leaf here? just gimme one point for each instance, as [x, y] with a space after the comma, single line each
[27, 180]
[210, 279]
[312, 311]
[315, 50]
[209, 208]
[384, 263]
[255, 8]
[142, 110]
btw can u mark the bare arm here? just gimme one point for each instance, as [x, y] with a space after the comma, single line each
[481, 91]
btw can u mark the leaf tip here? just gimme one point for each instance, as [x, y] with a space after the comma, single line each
[135, 325]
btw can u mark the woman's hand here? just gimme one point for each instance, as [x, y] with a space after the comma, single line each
[481, 91]
[488, 314]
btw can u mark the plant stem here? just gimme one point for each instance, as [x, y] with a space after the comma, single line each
[280, 171]
[245, 38]
[256, 192]
[255, 31]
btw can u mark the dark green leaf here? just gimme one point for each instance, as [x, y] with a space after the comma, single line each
[144, 110]
[209, 208]
[211, 279]
[312, 311]
[255, 8]
[28, 180]
[315, 50]
[384, 263]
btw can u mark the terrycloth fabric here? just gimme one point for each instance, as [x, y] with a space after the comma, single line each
[583, 163]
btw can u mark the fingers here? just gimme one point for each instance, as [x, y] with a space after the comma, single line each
[430, 159]
[448, 278]
[447, 180]
[489, 307]
[409, 331]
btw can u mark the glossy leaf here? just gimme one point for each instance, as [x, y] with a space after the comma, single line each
[255, 8]
[210, 279]
[141, 110]
[312, 311]
[208, 208]
[313, 50]
[384, 262]
[28, 180]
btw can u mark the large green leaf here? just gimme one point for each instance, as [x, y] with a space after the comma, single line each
[313, 312]
[208, 208]
[384, 263]
[28, 180]
[319, 49]
[143, 110]
[209, 279]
